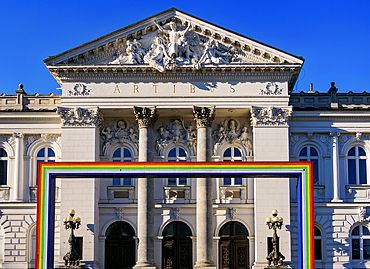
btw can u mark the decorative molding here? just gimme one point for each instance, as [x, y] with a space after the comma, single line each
[146, 117]
[176, 213]
[232, 212]
[121, 132]
[17, 135]
[228, 132]
[176, 132]
[4, 193]
[80, 117]
[79, 90]
[28, 140]
[271, 89]
[358, 136]
[344, 138]
[33, 194]
[362, 213]
[203, 116]
[322, 139]
[270, 116]
[119, 212]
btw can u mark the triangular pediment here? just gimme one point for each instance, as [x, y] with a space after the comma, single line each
[173, 39]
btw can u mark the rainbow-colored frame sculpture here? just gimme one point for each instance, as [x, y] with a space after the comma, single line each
[48, 172]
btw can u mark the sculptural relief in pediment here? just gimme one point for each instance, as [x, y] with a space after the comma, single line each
[174, 44]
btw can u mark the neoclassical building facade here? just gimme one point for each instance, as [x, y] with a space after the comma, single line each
[175, 88]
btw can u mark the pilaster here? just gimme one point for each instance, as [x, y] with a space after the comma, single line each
[18, 169]
[335, 164]
[270, 143]
[81, 143]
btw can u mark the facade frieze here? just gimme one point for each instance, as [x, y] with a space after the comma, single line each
[270, 116]
[80, 117]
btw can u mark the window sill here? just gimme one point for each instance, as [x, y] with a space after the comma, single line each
[179, 194]
[229, 194]
[121, 193]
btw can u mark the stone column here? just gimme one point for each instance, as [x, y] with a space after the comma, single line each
[335, 164]
[18, 169]
[146, 118]
[204, 117]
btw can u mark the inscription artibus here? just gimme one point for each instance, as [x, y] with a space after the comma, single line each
[165, 89]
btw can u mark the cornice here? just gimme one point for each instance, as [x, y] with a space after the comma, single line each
[143, 72]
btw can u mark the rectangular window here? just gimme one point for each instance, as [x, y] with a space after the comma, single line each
[318, 250]
[366, 249]
[363, 179]
[356, 249]
[315, 171]
[3, 172]
[352, 171]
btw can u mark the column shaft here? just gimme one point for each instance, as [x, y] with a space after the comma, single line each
[18, 171]
[335, 163]
[146, 118]
[204, 118]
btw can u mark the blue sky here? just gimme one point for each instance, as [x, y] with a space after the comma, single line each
[333, 37]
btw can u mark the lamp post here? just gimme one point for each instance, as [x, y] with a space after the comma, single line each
[275, 258]
[72, 258]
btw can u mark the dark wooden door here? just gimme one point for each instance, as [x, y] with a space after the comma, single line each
[234, 252]
[177, 252]
[120, 254]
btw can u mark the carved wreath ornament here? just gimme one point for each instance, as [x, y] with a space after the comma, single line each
[271, 89]
[79, 90]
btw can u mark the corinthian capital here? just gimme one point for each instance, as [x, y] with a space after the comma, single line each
[80, 117]
[203, 116]
[145, 116]
[270, 116]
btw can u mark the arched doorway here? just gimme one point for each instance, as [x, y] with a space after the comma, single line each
[234, 246]
[177, 246]
[120, 246]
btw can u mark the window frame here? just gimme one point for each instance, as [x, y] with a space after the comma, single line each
[177, 158]
[43, 159]
[7, 166]
[319, 237]
[309, 158]
[122, 158]
[357, 159]
[360, 237]
[240, 158]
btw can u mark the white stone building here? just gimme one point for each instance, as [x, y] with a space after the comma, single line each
[176, 88]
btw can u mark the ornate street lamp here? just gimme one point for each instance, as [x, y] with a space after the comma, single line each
[275, 258]
[72, 258]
